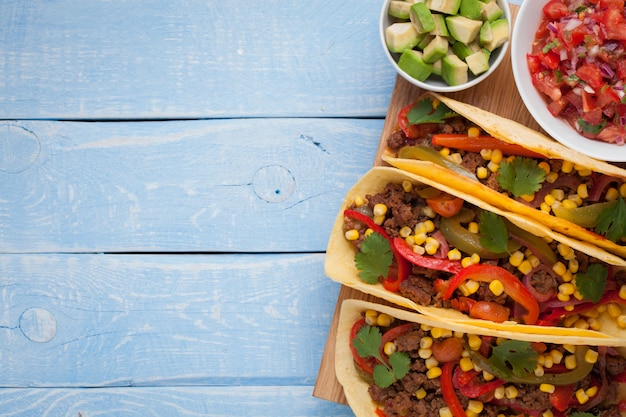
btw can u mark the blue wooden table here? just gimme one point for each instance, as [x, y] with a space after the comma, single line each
[169, 174]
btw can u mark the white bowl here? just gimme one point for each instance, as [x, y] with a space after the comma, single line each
[434, 82]
[528, 18]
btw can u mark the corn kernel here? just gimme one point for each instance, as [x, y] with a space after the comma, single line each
[563, 297]
[569, 204]
[368, 232]
[433, 373]
[486, 154]
[429, 226]
[370, 317]
[466, 364]
[499, 393]
[534, 261]
[611, 194]
[570, 362]
[473, 132]
[581, 324]
[558, 194]
[582, 396]
[429, 212]
[528, 197]
[567, 167]
[389, 348]
[547, 413]
[594, 324]
[549, 199]
[438, 332]
[407, 186]
[573, 265]
[405, 231]
[482, 173]
[510, 391]
[569, 348]
[559, 268]
[410, 240]
[582, 191]
[613, 310]
[425, 353]
[469, 287]
[379, 220]
[539, 371]
[384, 320]
[569, 307]
[591, 356]
[475, 406]
[444, 152]
[577, 199]
[622, 292]
[567, 288]
[359, 201]
[455, 255]
[516, 258]
[552, 177]
[419, 249]
[584, 172]
[525, 267]
[622, 190]
[496, 287]
[565, 250]
[380, 209]
[549, 388]
[493, 167]
[431, 245]
[488, 376]
[467, 261]
[474, 341]
[567, 276]
[352, 234]
[472, 227]
[591, 391]
[621, 321]
[445, 412]
[570, 320]
[420, 238]
[544, 207]
[426, 342]
[426, 327]
[421, 394]
[545, 166]
[456, 158]
[496, 156]
[557, 356]
[431, 362]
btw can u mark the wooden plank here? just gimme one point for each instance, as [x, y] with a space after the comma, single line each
[162, 320]
[293, 401]
[250, 185]
[193, 59]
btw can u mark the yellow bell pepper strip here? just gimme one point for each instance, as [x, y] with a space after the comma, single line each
[582, 369]
[585, 216]
[513, 287]
[464, 142]
[405, 250]
[448, 392]
[426, 153]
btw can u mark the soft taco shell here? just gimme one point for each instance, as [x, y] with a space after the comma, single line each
[513, 132]
[356, 389]
[340, 267]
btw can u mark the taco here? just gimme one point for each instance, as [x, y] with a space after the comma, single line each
[443, 253]
[393, 363]
[513, 167]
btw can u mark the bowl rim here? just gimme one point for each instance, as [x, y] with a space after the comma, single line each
[501, 53]
[536, 105]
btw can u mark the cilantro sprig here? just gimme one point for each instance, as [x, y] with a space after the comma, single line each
[374, 258]
[612, 221]
[367, 343]
[521, 176]
[514, 357]
[424, 112]
[592, 282]
[494, 235]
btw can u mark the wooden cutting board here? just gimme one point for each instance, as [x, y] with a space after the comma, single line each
[497, 94]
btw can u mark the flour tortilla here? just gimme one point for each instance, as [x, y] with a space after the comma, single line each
[356, 389]
[340, 267]
[513, 132]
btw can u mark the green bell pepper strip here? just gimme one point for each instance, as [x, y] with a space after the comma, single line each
[513, 287]
[426, 153]
[585, 216]
[583, 368]
[536, 244]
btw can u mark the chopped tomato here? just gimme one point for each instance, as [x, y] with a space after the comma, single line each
[589, 101]
[613, 24]
[561, 396]
[414, 131]
[590, 74]
[604, 4]
[546, 83]
[489, 310]
[555, 9]
[445, 205]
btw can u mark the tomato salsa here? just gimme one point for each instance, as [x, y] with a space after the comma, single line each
[578, 62]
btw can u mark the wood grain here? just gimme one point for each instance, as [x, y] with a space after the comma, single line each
[497, 94]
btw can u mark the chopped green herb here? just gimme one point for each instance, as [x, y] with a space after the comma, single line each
[612, 221]
[514, 357]
[367, 343]
[521, 176]
[589, 128]
[374, 258]
[551, 45]
[493, 233]
[592, 282]
[423, 112]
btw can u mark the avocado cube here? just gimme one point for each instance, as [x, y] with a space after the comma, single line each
[437, 67]
[490, 11]
[400, 36]
[463, 50]
[426, 39]
[399, 9]
[435, 50]
[421, 18]
[500, 31]
[453, 70]
[471, 9]
[463, 29]
[412, 63]
[441, 28]
[478, 62]
[444, 6]
[486, 34]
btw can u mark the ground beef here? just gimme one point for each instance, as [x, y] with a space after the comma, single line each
[615, 364]
[409, 341]
[418, 289]
[397, 140]
[543, 281]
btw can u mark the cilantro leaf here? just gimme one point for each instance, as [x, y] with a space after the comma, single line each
[367, 343]
[514, 357]
[493, 233]
[612, 221]
[589, 128]
[423, 112]
[521, 176]
[374, 258]
[591, 283]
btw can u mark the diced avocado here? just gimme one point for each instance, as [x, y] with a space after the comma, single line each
[478, 62]
[421, 18]
[400, 36]
[437, 67]
[444, 6]
[441, 28]
[463, 29]
[412, 63]
[426, 39]
[490, 11]
[399, 9]
[462, 50]
[470, 9]
[453, 70]
[500, 29]
[486, 34]
[436, 49]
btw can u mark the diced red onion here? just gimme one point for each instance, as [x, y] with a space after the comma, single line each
[588, 89]
[541, 297]
[600, 183]
[552, 27]
[606, 70]
[572, 24]
[619, 140]
[442, 252]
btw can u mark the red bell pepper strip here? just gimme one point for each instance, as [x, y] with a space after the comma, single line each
[470, 386]
[447, 390]
[557, 314]
[476, 144]
[365, 364]
[405, 250]
[513, 287]
[380, 413]
[561, 396]
[369, 222]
